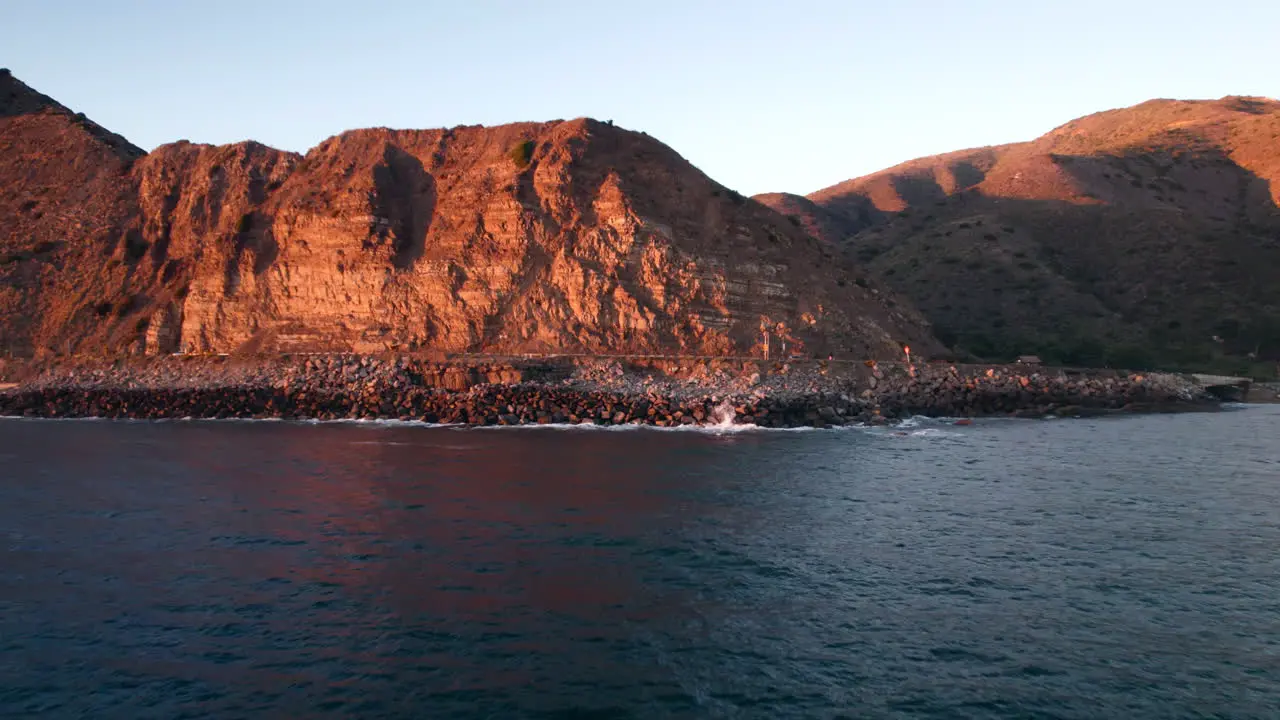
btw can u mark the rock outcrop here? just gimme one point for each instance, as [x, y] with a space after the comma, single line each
[566, 236]
[1140, 237]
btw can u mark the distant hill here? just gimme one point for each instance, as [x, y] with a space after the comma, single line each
[565, 236]
[1142, 237]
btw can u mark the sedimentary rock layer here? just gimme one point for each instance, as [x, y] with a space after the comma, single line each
[558, 236]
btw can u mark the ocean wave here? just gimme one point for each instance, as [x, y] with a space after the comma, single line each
[934, 432]
[375, 423]
[32, 418]
[717, 429]
[916, 426]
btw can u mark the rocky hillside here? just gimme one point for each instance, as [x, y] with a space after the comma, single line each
[1147, 236]
[562, 236]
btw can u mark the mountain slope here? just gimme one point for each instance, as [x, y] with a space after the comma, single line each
[567, 236]
[58, 171]
[1146, 236]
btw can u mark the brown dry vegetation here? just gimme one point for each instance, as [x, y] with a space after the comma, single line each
[1131, 237]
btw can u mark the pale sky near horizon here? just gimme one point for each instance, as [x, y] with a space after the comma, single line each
[762, 96]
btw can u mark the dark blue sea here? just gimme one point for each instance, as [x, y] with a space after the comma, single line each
[1124, 567]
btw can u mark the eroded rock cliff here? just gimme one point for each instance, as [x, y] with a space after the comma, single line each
[567, 236]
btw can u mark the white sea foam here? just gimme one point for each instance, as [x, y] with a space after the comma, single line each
[395, 443]
[26, 418]
[374, 423]
[934, 432]
[723, 423]
[716, 429]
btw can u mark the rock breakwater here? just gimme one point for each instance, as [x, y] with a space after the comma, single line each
[666, 394]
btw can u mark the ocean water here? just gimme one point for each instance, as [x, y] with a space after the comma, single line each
[1123, 567]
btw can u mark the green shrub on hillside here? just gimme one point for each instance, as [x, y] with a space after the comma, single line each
[522, 154]
[1130, 357]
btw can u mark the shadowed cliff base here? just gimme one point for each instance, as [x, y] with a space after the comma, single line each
[1148, 291]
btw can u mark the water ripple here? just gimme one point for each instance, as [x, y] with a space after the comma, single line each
[1113, 567]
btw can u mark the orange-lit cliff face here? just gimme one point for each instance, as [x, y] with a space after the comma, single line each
[1110, 158]
[1130, 236]
[562, 236]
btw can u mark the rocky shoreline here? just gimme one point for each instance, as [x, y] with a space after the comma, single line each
[659, 393]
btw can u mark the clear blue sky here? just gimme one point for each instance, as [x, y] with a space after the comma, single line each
[788, 95]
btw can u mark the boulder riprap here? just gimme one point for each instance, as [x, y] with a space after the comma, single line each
[658, 392]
